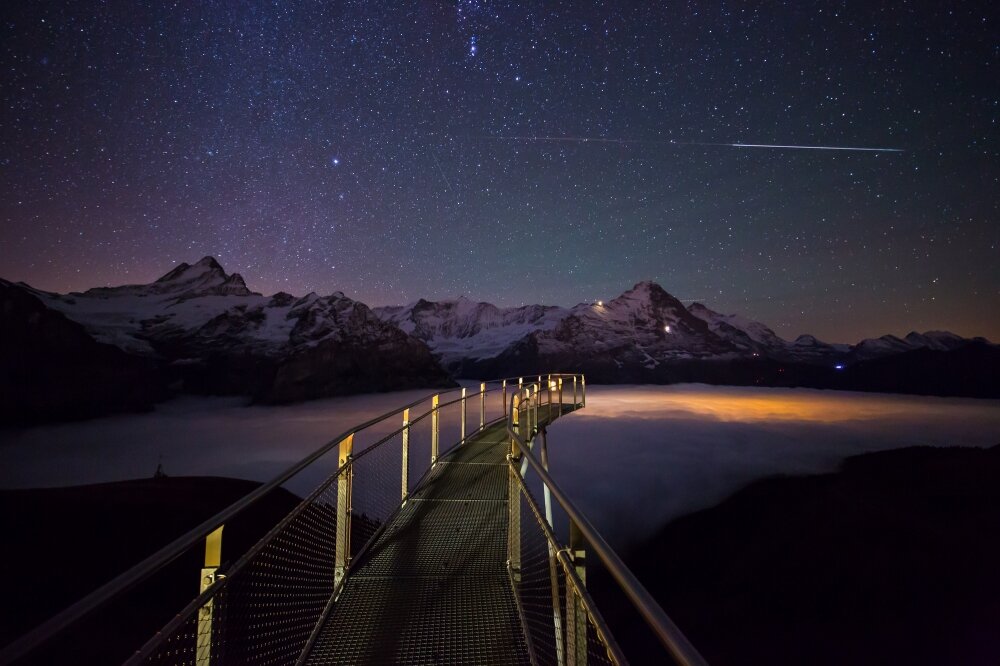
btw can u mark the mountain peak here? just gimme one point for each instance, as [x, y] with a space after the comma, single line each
[185, 271]
[646, 285]
[650, 292]
[209, 262]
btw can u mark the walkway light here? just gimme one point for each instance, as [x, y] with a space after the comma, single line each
[600, 303]
[667, 328]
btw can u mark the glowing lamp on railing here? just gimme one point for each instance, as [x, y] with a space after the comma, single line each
[600, 303]
[666, 329]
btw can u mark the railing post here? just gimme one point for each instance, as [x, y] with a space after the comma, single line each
[528, 413]
[576, 615]
[342, 549]
[560, 396]
[504, 387]
[535, 402]
[514, 498]
[557, 623]
[435, 428]
[406, 453]
[213, 558]
[482, 406]
[464, 412]
[548, 395]
[583, 391]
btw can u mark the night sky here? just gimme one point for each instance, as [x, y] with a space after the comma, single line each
[370, 148]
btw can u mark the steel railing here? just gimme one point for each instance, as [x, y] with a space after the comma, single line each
[569, 642]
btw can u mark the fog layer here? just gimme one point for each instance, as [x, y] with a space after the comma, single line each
[636, 457]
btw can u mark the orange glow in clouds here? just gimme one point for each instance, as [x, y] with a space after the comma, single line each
[751, 405]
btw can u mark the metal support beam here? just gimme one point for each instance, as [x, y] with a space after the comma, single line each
[342, 548]
[464, 413]
[482, 405]
[406, 453]
[435, 428]
[213, 558]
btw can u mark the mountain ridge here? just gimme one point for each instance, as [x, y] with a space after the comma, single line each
[211, 334]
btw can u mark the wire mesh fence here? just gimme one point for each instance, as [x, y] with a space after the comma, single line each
[560, 623]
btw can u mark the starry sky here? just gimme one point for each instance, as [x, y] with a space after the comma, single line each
[384, 149]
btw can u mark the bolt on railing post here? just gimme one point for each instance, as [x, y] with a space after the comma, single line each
[342, 548]
[435, 428]
[464, 412]
[514, 498]
[482, 405]
[406, 453]
[213, 558]
[576, 614]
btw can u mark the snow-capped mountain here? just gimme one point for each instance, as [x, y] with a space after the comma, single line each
[743, 333]
[887, 345]
[644, 325]
[461, 329]
[222, 337]
[205, 331]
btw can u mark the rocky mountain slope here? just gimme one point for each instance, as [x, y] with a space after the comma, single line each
[211, 334]
[463, 329]
[51, 369]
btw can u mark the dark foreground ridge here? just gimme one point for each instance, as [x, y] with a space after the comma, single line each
[69, 541]
[891, 560]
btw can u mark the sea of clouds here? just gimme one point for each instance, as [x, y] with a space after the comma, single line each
[635, 458]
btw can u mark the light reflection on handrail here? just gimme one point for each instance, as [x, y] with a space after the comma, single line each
[663, 627]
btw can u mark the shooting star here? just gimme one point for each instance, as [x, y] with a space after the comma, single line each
[773, 146]
[447, 182]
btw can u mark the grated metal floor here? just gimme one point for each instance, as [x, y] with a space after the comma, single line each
[434, 588]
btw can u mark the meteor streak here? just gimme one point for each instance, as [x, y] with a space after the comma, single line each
[773, 146]
[779, 147]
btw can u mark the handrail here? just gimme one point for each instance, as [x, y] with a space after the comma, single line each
[147, 567]
[666, 631]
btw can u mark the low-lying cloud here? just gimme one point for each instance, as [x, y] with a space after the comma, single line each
[635, 458]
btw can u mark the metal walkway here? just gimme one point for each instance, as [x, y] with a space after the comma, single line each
[403, 553]
[433, 587]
